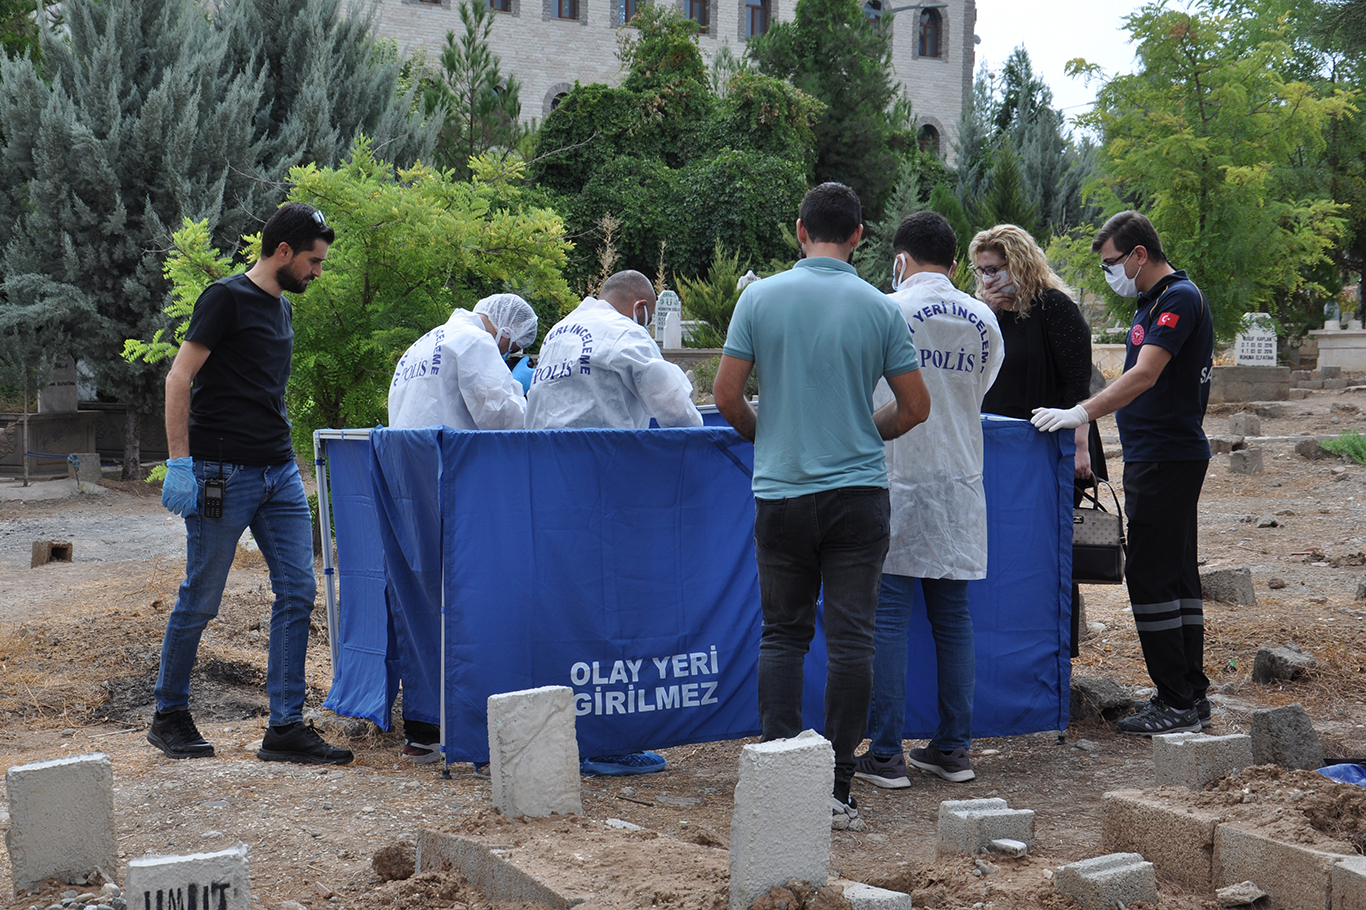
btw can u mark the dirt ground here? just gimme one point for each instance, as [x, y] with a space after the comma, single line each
[79, 645]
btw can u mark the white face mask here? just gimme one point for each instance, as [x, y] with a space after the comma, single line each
[896, 275]
[1119, 282]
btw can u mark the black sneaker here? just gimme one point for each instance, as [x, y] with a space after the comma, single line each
[1158, 718]
[887, 773]
[175, 734]
[843, 810]
[299, 742]
[1203, 711]
[952, 765]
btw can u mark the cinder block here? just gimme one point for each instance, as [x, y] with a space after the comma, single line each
[496, 878]
[1223, 445]
[1295, 877]
[1285, 736]
[866, 897]
[1117, 879]
[1330, 372]
[1268, 411]
[1233, 585]
[83, 467]
[1298, 394]
[1195, 759]
[46, 551]
[1349, 884]
[1285, 662]
[780, 826]
[219, 880]
[1335, 384]
[533, 753]
[1245, 424]
[1246, 461]
[1311, 383]
[1301, 376]
[1178, 841]
[970, 825]
[61, 819]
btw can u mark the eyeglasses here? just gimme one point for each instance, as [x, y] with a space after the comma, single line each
[988, 271]
[318, 219]
[1108, 267]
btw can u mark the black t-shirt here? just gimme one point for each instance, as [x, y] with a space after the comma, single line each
[1165, 422]
[237, 402]
[1047, 358]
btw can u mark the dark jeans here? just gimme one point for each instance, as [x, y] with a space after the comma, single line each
[837, 538]
[1161, 500]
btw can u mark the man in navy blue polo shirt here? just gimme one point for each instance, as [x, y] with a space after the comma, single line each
[1159, 405]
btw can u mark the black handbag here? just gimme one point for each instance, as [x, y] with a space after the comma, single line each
[1098, 546]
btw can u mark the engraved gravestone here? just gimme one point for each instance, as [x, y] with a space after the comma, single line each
[669, 309]
[1256, 343]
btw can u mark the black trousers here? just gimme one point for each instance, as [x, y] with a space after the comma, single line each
[1161, 499]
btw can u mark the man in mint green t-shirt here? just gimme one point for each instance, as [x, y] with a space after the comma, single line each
[819, 338]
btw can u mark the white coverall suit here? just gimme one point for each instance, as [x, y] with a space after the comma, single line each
[599, 368]
[454, 376]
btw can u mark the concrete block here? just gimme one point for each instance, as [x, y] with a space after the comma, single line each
[1195, 759]
[1298, 394]
[61, 819]
[780, 826]
[46, 551]
[83, 467]
[219, 880]
[1178, 841]
[1245, 424]
[533, 753]
[1223, 445]
[1285, 736]
[970, 825]
[1294, 877]
[1007, 847]
[1311, 384]
[1330, 372]
[1242, 894]
[1099, 699]
[1361, 591]
[1248, 383]
[1301, 376]
[1335, 385]
[1117, 879]
[496, 878]
[1285, 662]
[1246, 461]
[1349, 884]
[866, 897]
[1232, 585]
[1268, 411]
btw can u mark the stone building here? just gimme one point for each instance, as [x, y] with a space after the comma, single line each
[548, 44]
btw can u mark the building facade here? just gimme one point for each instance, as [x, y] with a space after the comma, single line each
[549, 44]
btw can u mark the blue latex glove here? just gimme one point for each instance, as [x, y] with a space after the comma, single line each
[522, 373]
[180, 491]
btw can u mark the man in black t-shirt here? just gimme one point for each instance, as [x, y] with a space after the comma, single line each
[1159, 405]
[232, 467]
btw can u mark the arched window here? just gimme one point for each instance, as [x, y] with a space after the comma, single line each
[930, 26]
[929, 139]
[756, 18]
[555, 102]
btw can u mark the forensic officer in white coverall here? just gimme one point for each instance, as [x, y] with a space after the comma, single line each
[455, 375]
[599, 367]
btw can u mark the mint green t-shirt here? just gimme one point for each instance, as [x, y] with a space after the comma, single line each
[820, 338]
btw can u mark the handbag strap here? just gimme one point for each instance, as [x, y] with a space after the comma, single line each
[1094, 495]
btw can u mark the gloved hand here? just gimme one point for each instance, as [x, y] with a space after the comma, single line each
[522, 373]
[1050, 419]
[180, 491]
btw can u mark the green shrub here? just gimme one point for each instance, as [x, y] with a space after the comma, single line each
[1351, 443]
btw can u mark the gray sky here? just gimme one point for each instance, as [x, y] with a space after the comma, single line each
[1055, 31]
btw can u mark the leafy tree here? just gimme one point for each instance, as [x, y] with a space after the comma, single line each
[481, 105]
[1203, 138]
[678, 169]
[134, 127]
[412, 244]
[19, 24]
[831, 51]
[711, 301]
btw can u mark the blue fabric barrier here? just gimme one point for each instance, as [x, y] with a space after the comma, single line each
[632, 580]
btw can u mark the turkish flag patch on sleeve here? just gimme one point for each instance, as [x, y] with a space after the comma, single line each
[1168, 319]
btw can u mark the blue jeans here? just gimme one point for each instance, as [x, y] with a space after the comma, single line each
[838, 538]
[946, 606]
[271, 501]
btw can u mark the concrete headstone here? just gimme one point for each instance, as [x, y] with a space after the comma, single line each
[533, 752]
[59, 396]
[1245, 424]
[1285, 662]
[1285, 736]
[221, 881]
[61, 819]
[668, 310]
[1255, 345]
[1232, 586]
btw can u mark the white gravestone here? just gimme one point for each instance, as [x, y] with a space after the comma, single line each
[199, 881]
[669, 308]
[60, 395]
[1256, 343]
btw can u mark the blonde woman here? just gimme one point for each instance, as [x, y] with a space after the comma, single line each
[1048, 344]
